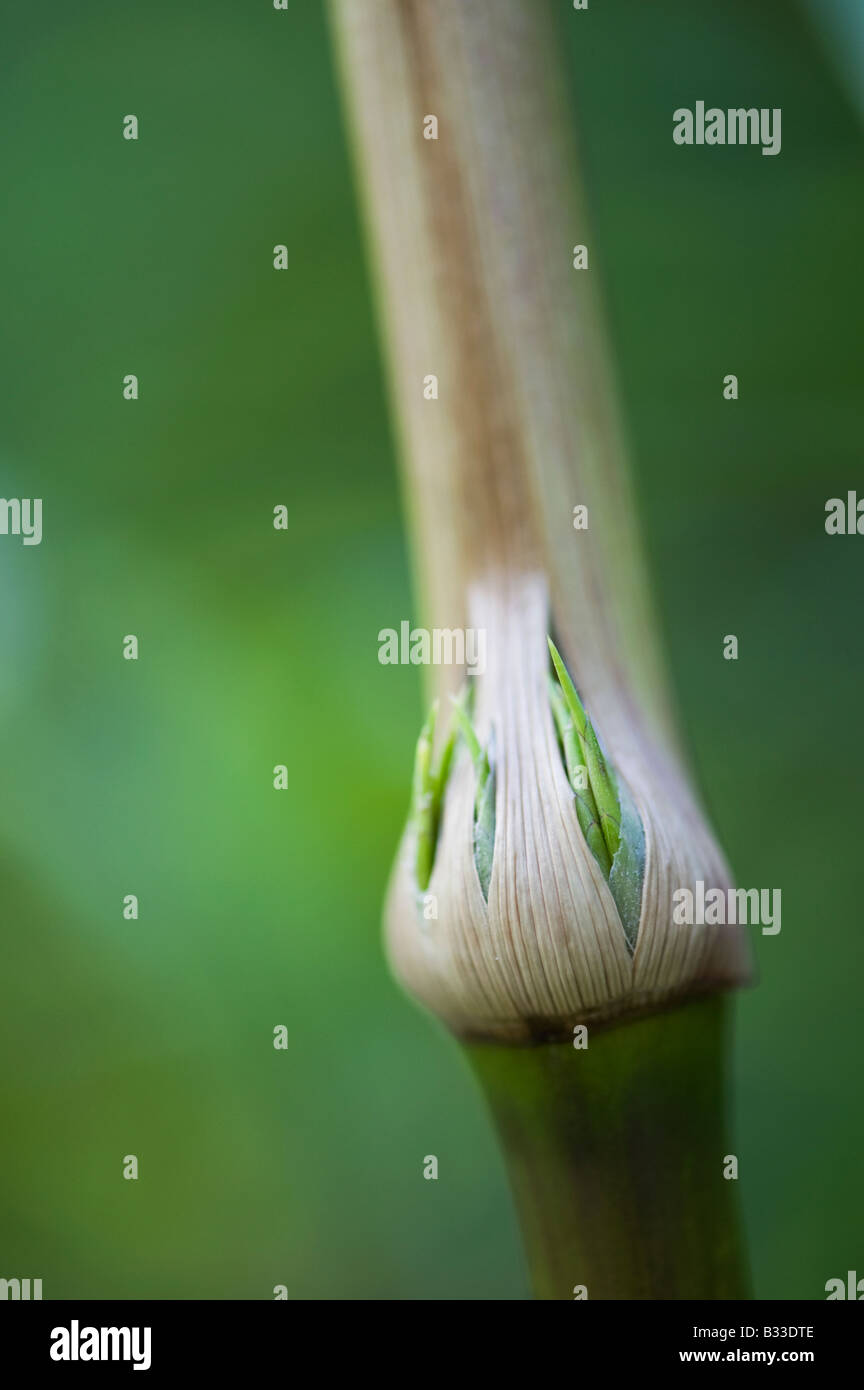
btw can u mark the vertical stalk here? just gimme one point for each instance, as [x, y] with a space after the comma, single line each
[616, 1158]
[471, 237]
[615, 1153]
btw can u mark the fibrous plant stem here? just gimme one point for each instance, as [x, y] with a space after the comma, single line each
[616, 1151]
[616, 1155]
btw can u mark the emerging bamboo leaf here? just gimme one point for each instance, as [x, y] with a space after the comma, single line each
[628, 868]
[577, 773]
[427, 795]
[605, 809]
[484, 799]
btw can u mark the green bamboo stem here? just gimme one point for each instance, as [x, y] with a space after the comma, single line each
[616, 1157]
[616, 1152]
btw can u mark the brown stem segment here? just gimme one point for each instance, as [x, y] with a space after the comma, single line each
[616, 1156]
[472, 236]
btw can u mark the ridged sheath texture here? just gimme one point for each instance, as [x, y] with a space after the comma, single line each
[472, 236]
[548, 949]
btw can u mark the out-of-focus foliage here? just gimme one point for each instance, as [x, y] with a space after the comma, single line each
[259, 908]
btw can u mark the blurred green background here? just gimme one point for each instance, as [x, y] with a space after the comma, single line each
[258, 647]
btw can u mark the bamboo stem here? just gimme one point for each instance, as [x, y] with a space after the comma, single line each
[471, 237]
[616, 1155]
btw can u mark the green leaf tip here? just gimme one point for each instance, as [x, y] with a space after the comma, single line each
[484, 797]
[478, 755]
[577, 773]
[427, 795]
[607, 816]
[600, 780]
[428, 786]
